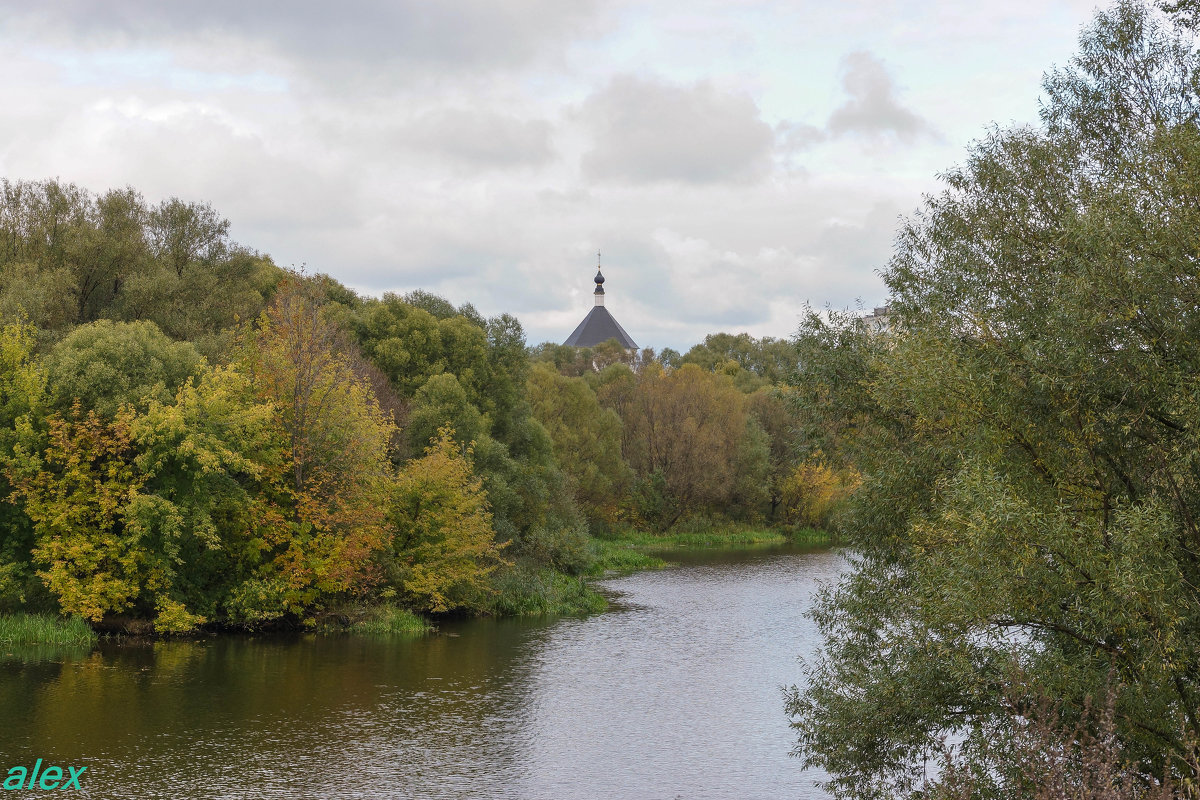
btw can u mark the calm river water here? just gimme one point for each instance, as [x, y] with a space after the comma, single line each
[675, 693]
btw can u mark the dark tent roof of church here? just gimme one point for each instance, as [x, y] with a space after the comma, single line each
[599, 326]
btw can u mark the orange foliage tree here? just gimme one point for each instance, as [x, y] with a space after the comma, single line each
[337, 474]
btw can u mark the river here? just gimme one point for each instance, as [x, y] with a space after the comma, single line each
[673, 693]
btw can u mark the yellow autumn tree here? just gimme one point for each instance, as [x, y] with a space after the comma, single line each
[76, 493]
[813, 489]
[444, 545]
[156, 515]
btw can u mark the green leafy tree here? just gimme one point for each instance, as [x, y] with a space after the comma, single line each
[204, 302]
[508, 364]
[411, 345]
[438, 306]
[751, 363]
[23, 399]
[683, 432]
[183, 234]
[1027, 439]
[209, 461]
[106, 364]
[752, 473]
[198, 282]
[59, 238]
[76, 495]
[69, 257]
[770, 407]
[581, 361]
[532, 505]
[41, 296]
[107, 252]
[586, 437]
[160, 514]
[570, 361]
[442, 402]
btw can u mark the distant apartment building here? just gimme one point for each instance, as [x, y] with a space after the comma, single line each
[880, 319]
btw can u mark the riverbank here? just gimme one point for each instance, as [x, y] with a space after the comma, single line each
[531, 592]
[628, 550]
[520, 592]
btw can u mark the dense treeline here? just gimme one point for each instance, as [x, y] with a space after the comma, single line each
[708, 433]
[1027, 435]
[193, 436]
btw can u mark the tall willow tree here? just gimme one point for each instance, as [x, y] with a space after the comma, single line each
[1029, 436]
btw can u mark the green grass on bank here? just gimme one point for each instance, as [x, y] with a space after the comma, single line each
[717, 536]
[382, 620]
[813, 536]
[525, 591]
[26, 629]
[617, 556]
[391, 621]
[624, 551]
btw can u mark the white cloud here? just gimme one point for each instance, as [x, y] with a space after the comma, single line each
[480, 138]
[645, 130]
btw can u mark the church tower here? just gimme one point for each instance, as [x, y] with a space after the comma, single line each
[599, 325]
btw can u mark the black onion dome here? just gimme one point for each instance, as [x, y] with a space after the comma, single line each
[599, 325]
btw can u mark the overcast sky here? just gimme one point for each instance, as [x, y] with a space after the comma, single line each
[733, 160]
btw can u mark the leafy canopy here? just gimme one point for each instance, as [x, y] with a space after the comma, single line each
[1027, 436]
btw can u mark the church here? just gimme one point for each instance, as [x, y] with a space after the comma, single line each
[599, 325]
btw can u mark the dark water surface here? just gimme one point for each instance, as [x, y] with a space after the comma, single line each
[675, 693]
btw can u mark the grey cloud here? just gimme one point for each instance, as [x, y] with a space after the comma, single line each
[649, 131]
[481, 138]
[872, 108]
[634, 272]
[453, 34]
[794, 137]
